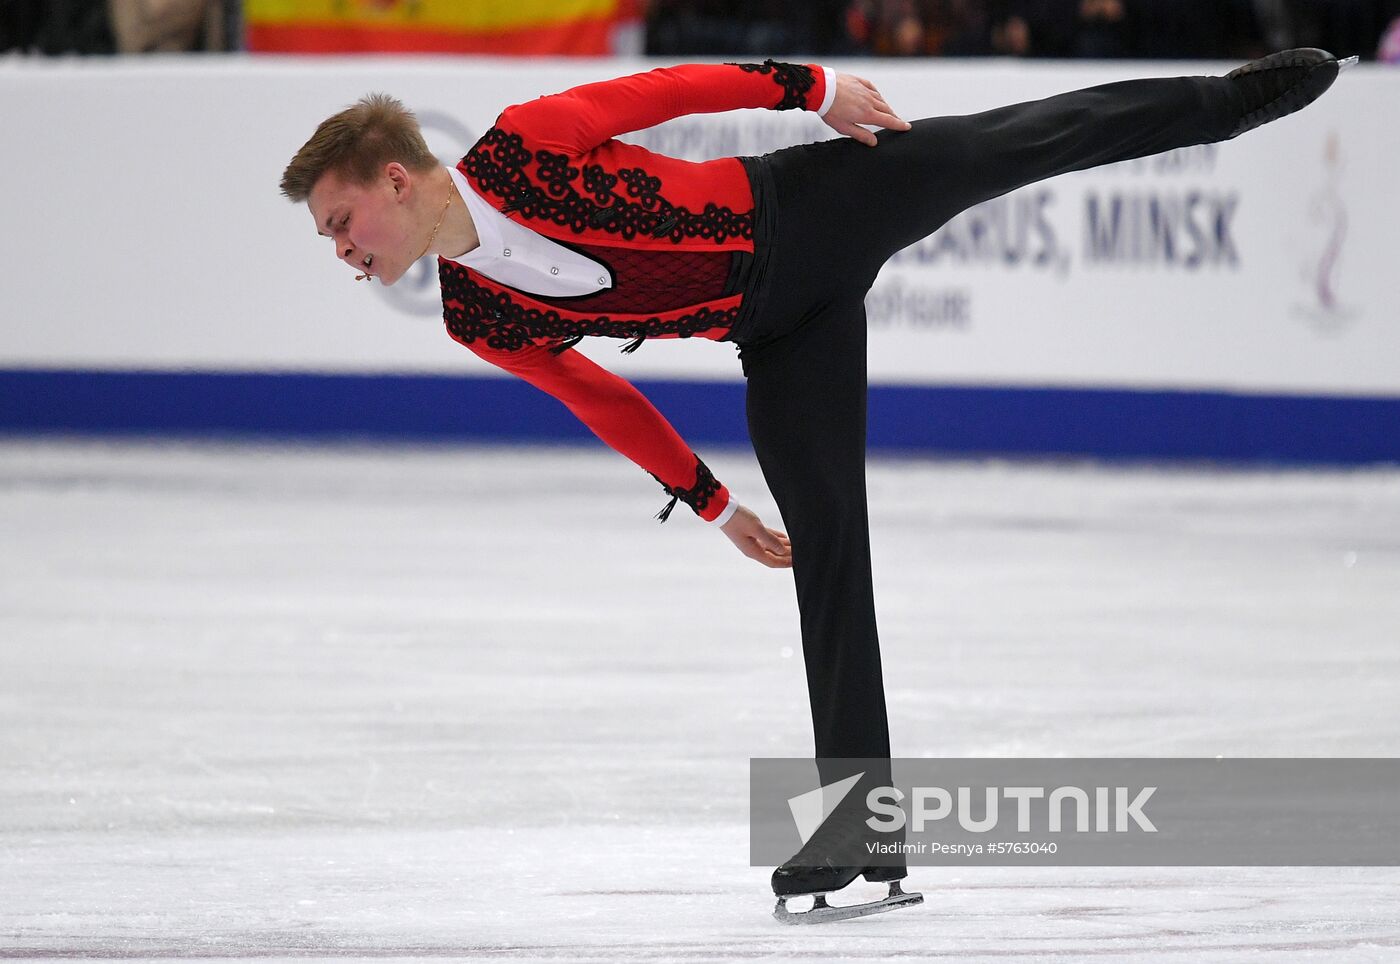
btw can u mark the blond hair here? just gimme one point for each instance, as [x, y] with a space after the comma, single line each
[356, 144]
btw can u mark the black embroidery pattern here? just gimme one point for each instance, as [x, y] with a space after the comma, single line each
[499, 162]
[599, 183]
[471, 312]
[556, 172]
[795, 80]
[697, 497]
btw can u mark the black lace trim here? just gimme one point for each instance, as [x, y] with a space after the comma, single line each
[796, 80]
[697, 496]
[472, 311]
[582, 197]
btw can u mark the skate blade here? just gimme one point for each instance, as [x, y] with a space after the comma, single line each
[823, 913]
[1347, 63]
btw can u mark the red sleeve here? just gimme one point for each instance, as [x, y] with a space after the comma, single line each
[619, 415]
[580, 119]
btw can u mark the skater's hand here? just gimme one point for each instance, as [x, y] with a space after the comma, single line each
[757, 541]
[858, 102]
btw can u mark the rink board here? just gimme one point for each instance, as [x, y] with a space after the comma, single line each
[952, 419]
[1228, 301]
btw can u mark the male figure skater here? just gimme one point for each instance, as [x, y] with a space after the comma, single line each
[550, 230]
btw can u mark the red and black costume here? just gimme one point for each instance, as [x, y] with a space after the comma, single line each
[776, 254]
[676, 237]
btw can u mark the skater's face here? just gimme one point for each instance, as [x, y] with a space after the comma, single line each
[374, 226]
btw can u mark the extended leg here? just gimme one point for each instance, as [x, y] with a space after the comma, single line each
[890, 196]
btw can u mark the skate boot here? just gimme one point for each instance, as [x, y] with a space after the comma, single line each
[838, 853]
[1281, 83]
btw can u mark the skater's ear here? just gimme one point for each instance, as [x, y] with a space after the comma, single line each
[400, 179]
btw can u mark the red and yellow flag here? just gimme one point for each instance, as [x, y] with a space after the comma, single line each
[576, 27]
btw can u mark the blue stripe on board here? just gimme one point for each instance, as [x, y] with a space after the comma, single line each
[1041, 421]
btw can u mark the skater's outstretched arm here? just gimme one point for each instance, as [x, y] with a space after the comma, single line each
[581, 118]
[621, 416]
[578, 120]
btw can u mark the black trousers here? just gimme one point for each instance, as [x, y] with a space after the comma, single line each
[830, 215]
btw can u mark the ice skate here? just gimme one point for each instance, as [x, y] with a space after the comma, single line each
[837, 853]
[822, 912]
[1282, 83]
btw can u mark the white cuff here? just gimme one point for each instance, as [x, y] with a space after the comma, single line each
[726, 513]
[830, 97]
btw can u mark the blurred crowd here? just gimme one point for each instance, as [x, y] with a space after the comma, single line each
[1163, 29]
[119, 26]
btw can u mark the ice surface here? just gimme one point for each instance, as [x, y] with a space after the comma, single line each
[377, 704]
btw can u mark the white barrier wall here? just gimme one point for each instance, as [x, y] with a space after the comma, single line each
[143, 229]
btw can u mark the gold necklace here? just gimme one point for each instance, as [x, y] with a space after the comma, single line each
[432, 237]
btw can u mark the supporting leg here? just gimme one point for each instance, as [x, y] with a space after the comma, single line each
[806, 414]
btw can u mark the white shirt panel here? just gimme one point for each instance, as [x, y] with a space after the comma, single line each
[515, 255]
